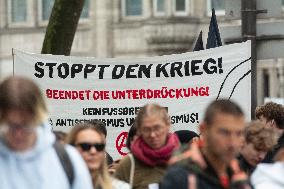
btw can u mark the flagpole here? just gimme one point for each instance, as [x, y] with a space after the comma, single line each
[249, 33]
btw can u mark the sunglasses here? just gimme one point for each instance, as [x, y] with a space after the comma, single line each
[87, 146]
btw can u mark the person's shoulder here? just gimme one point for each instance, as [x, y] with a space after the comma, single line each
[261, 177]
[177, 168]
[75, 157]
[175, 177]
[123, 169]
[119, 184]
[125, 164]
[73, 153]
[126, 160]
[81, 172]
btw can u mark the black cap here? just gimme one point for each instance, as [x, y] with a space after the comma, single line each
[185, 136]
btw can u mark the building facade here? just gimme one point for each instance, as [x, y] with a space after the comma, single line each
[125, 28]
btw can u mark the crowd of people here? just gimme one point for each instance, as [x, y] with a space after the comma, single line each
[228, 153]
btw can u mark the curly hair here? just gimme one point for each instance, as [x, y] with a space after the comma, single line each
[260, 136]
[271, 111]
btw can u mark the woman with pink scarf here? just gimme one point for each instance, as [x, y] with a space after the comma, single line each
[151, 151]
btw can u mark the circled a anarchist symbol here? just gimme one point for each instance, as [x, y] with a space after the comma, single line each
[120, 143]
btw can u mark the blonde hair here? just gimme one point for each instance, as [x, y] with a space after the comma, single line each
[260, 136]
[101, 176]
[150, 110]
[20, 93]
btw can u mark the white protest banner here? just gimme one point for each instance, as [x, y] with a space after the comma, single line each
[113, 90]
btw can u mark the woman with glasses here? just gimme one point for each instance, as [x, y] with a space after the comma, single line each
[28, 156]
[90, 142]
[145, 167]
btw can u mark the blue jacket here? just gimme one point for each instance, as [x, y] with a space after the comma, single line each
[40, 168]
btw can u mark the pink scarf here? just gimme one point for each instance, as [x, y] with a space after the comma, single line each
[153, 157]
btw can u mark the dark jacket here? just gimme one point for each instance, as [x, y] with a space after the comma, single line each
[178, 176]
[245, 166]
[271, 154]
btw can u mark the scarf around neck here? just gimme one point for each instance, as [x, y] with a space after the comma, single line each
[153, 157]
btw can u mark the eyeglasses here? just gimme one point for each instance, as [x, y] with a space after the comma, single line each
[11, 127]
[157, 130]
[87, 146]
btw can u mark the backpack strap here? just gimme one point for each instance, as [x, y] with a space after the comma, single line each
[132, 170]
[65, 161]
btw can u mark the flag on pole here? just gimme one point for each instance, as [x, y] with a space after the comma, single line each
[213, 39]
[199, 43]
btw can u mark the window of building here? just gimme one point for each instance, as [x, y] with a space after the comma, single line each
[180, 7]
[18, 11]
[159, 7]
[266, 84]
[133, 7]
[218, 5]
[86, 9]
[46, 8]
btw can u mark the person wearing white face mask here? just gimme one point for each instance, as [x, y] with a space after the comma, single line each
[28, 156]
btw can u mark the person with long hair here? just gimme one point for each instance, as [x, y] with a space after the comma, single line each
[30, 157]
[90, 142]
[150, 151]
